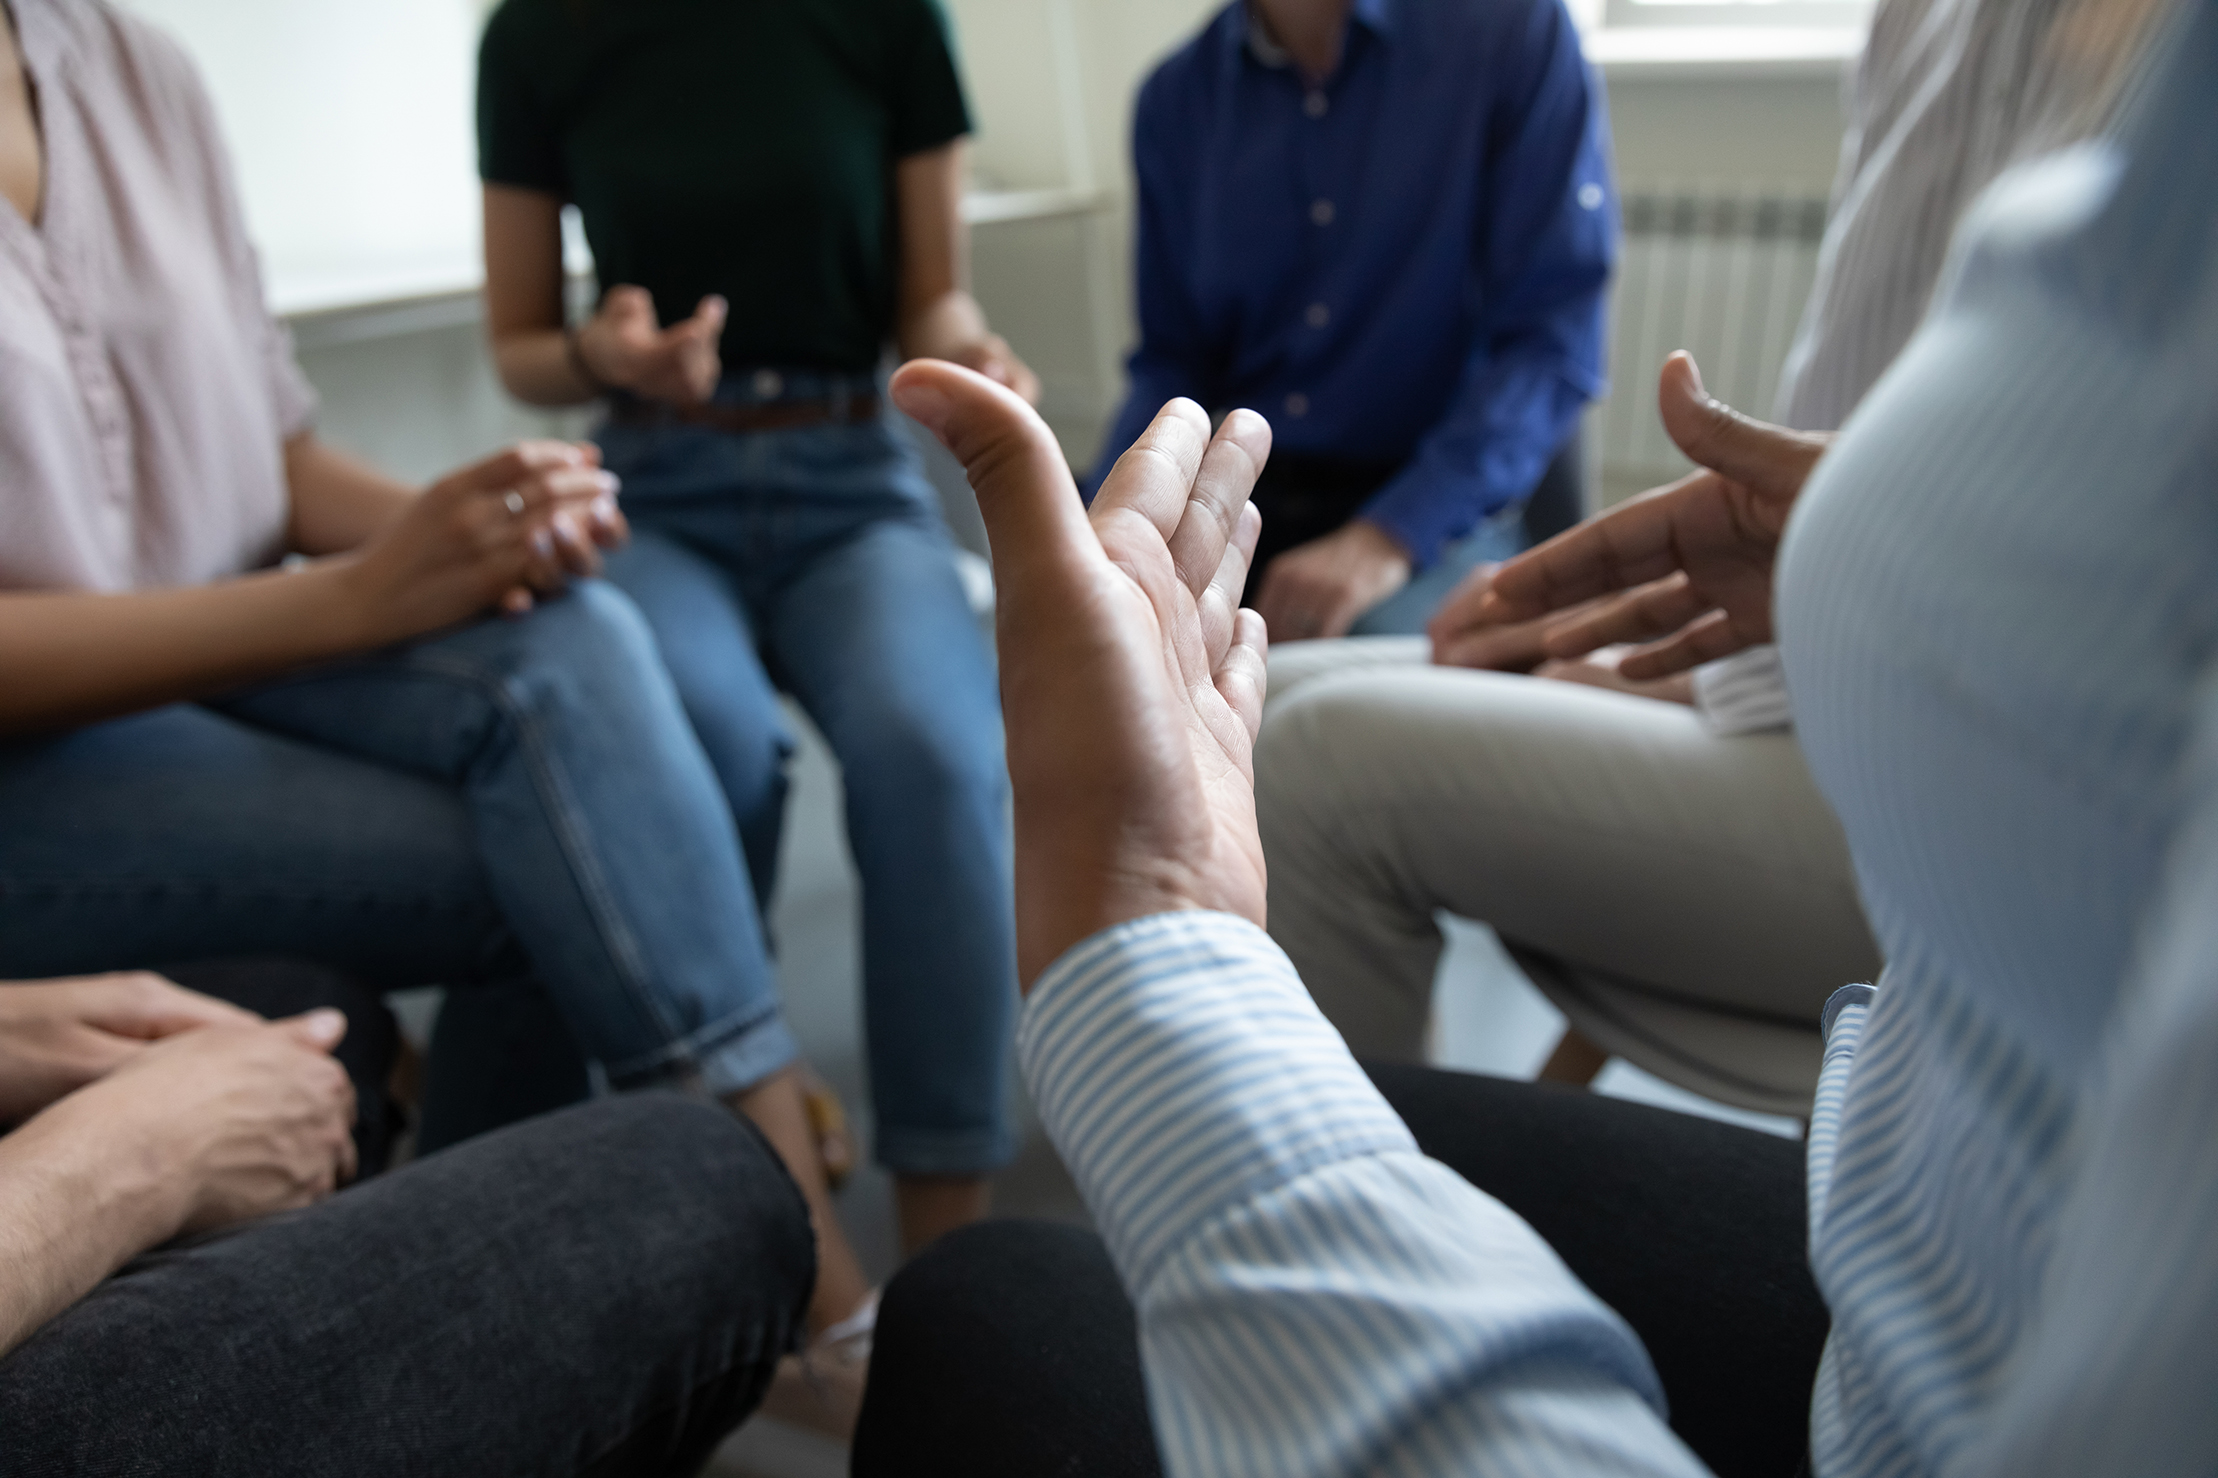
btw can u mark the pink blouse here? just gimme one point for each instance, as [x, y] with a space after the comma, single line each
[145, 392]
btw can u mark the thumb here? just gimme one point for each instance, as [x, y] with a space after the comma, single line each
[708, 316]
[1766, 459]
[322, 1029]
[1033, 517]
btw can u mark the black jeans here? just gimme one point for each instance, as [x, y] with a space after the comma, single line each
[1009, 1348]
[602, 1291]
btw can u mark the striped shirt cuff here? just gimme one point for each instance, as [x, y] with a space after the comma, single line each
[1181, 1069]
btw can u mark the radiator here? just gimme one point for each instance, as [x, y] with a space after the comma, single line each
[1719, 272]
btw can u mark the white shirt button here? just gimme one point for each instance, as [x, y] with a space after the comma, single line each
[768, 384]
[1297, 404]
[1317, 316]
[1321, 212]
[1316, 104]
[1590, 196]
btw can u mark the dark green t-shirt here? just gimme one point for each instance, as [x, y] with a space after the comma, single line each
[742, 147]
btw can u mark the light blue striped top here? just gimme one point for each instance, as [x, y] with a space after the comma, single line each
[1999, 606]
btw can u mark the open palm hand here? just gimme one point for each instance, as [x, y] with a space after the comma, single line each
[1686, 568]
[1131, 683]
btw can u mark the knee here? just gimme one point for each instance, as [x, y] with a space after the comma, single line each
[696, 1193]
[590, 648]
[945, 763]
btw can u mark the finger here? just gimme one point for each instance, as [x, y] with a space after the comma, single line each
[1654, 610]
[1460, 610]
[516, 602]
[1037, 531]
[611, 530]
[1762, 456]
[1706, 640]
[549, 491]
[626, 304]
[1220, 603]
[148, 1007]
[1628, 546]
[1219, 494]
[1516, 646]
[506, 469]
[575, 551]
[708, 316]
[1155, 477]
[1243, 675]
[321, 1029]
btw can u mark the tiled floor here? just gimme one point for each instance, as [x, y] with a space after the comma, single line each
[1489, 1020]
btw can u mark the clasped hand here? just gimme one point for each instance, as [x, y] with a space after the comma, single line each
[230, 1116]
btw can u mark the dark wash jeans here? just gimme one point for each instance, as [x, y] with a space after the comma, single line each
[602, 1291]
[1010, 1349]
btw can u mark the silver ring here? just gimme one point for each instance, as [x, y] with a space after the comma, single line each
[514, 502]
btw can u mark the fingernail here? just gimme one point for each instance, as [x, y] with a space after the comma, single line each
[611, 485]
[542, 543]
[924, 402]
[325, 1025]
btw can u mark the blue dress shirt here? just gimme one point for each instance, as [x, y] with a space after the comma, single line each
[1405, 264]
[1996, 603]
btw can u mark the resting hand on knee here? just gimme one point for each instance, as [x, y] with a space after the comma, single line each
[204, 1129]
[1131, 684]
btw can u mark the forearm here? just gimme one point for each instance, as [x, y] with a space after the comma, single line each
[69, 658]
[940, 325]
[1297, 1208]
[538, 368]
[73, 1209]
[338, 503]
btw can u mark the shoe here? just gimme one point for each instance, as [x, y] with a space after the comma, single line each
[821, 1389]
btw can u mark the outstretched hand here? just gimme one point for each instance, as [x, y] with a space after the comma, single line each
[1131, 683]
[1686, 568]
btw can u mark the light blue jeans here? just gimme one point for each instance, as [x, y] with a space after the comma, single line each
[815, 561]
[514, 794]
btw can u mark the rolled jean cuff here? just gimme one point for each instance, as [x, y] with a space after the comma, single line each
[945, 1151]
[727, 1057]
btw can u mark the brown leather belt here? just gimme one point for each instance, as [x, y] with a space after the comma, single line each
[774, 415]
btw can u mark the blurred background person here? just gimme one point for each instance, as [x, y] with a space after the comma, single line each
[773, 197]
[1388, 226]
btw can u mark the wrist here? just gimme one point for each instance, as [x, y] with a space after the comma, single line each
[127, 1179]
[344, 606]
[574, 354]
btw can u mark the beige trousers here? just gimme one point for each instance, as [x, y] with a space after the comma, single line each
[1686, 900]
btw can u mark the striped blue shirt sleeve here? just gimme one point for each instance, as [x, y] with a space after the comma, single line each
[1314, 1296]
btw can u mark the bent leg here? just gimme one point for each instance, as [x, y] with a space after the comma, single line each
[602, 829]
[604, 1291]
[182, 834]
[1610, 832]
[1006, 1350]
[882, 650]
[1690, 1229]
[700, 626]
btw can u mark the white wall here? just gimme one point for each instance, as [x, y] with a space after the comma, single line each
[426, 401]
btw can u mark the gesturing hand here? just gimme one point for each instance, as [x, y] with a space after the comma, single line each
[625, 346]
[1131, 684]
[1690, 563]
[58, 1035]
[482, 536]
